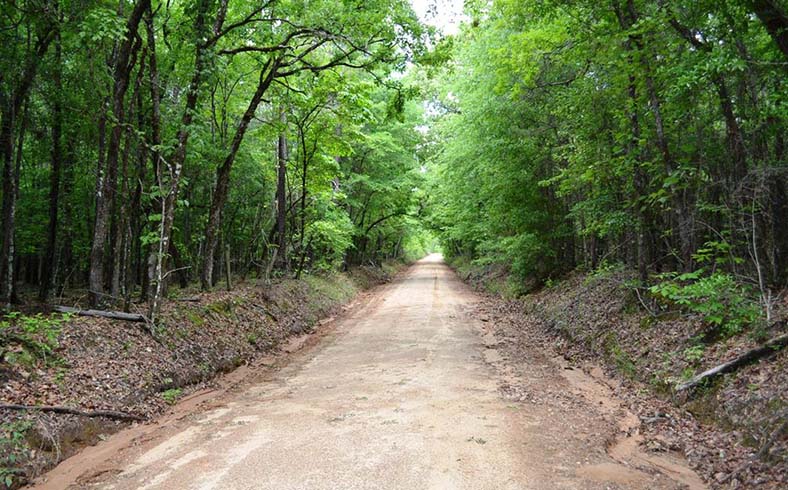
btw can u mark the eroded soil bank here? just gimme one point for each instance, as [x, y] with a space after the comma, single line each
[105, 364]
[733, 432]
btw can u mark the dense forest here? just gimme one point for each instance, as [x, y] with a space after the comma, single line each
[154, 143]
[147, 144]
[644, 133]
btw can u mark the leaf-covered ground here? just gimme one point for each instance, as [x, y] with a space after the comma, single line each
[732, 432]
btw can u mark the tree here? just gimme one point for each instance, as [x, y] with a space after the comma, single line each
[633, 131]
[106, 183]
[37, 25]
[54, 177]
[146, 139]
[357, 42]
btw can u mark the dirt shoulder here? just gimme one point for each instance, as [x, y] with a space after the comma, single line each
[730, 431]
[102, 364]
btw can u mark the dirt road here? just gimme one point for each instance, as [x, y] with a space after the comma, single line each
[407, 391]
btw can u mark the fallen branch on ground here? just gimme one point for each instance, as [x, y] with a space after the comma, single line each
[747, 358]
[115, 315]
[110, 414]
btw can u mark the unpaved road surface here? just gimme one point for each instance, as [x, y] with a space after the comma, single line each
[406, 391]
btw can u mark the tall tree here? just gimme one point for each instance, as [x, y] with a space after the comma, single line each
[139, 159]
[124, 62]
[55, 171]
[40, 30]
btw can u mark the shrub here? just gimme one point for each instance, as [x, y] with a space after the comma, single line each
[171, 396]
[723, 302]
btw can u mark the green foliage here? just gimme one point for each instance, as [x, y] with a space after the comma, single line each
[723, 302]
[606, 269]
[418, 243]
[12, 447]
[195, 317]
[384, 182]
[331, 96]
[28, 340]
[543, 136]
[171, 395]
[563, 135]
[101, 25]
[694, 354]
[330, 238]
[717, 252]
[525, 253]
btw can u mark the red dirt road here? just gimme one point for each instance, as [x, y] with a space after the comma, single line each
[407, 391]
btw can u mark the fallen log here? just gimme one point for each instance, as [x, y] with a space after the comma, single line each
[110, 414]
[747, 358]
[115, 315]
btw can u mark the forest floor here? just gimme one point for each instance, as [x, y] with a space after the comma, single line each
[412, 387]
[733, 431]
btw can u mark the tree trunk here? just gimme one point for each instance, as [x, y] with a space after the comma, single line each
[110, 414]
[180, 265]
[13, 104]
[54, 175]
[683, 211]
[115, 315]
[779, 216]
[734, 135]
[775, 20]
[752, 355]
[8, 206]
[303, 258]
[105, 194]
[120, 215]
[7, 251]
[223, 174]
[66, 262]
[147, 266]
[639, 177]
[119, 227]
[135, 266]
[227, 267]
[157, 259]
[304, 168]
[733, 132]
[281, 198]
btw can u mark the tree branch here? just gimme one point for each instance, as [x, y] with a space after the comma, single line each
[110, 414]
